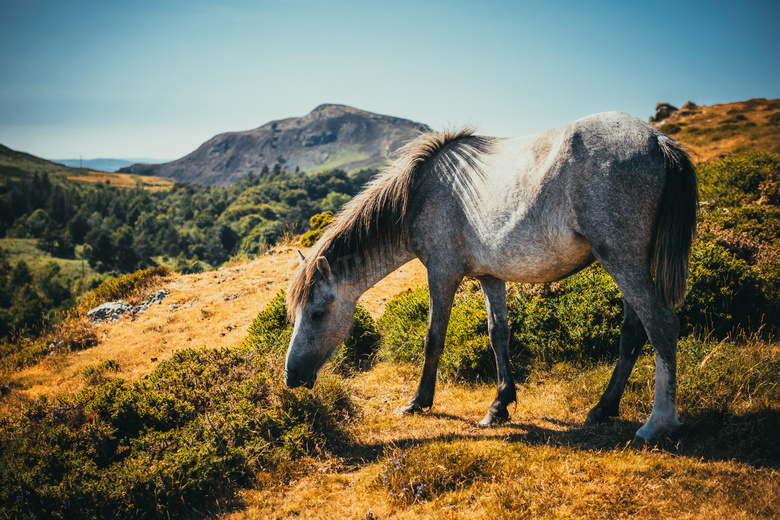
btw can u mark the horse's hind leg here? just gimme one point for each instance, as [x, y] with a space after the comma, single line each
[498, 329]
[662, 327]
[442, 292]
[632, 338]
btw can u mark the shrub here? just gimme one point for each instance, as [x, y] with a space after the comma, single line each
[588, 311]
[577, 319]
[724, 293]
[121, 287]
[270, 331]
[403, 326]
[318, 223]
[358, 350]
[741, 178]
[204, 422]
[467, 352]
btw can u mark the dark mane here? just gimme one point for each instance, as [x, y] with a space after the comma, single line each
[375, 218]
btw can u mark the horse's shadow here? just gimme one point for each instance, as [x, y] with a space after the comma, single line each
[751, 438]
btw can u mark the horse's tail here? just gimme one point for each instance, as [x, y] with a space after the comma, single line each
[675, 225]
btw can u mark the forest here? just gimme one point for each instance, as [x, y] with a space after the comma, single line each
[116, 230]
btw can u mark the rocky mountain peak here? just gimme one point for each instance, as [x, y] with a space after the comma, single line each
[330, 136]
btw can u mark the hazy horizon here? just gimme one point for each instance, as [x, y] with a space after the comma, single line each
[157, 79]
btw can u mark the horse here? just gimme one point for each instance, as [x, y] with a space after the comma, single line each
[608, 188]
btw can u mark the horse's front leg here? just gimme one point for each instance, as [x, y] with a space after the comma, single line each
[442, 292]
[498, 329]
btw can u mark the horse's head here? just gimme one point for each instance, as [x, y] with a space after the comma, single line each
[321, 323]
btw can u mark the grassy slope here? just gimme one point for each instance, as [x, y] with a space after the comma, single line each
[25, 249]
[212, 309]
[14, 164]
[712, 131]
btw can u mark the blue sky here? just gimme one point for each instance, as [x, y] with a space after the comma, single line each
[157, 78]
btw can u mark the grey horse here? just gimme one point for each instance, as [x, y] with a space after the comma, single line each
[607, 188]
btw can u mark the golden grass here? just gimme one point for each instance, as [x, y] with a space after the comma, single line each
[212, 309]
[125, 180]
[763, 136]
[543, 464]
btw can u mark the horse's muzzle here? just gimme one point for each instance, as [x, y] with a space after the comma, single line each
[293, 380]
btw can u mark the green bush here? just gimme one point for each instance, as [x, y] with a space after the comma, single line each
[403, 326]
[740, 179]
[270, 331]
[724, 293]
[120, 287]
[180, 442]
[358, 350]
[318, 223]
[577, 319]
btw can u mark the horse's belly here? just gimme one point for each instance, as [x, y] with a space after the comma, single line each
[535, 260]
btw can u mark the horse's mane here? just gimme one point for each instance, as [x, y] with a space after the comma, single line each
[377, 217]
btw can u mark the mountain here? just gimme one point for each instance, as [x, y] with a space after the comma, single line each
[331, 136]
[711, 132]
[103, 165]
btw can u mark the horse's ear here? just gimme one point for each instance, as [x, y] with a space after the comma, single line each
[301, 255]
[323, 267]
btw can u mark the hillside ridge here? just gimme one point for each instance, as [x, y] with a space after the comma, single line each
[712, 132]
[211, 309]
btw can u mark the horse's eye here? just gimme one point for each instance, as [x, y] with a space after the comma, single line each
[317, 315]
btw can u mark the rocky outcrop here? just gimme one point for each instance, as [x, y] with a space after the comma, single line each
[662, 112]
[112, 311]
[331, 136]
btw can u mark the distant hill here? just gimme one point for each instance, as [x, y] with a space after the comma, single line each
[15, 164]
[331, 136]
[713, 131]
[104, 165]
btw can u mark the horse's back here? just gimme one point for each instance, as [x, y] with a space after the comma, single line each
[533, 207]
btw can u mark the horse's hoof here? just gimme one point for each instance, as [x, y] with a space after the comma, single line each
[599, 415]
[640, 442]
[412, 407]
[494, 419]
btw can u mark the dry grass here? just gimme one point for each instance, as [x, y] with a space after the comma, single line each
[710, 132]
[212, 309]
[543, 464]
[125, 180]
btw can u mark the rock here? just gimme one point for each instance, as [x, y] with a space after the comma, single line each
[110, 311]
[690, 105]
[114, 310]
[155, 297]
[663, 111]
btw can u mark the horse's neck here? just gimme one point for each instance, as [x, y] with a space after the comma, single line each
[359, 276]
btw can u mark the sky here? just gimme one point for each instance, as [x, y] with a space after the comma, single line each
[155, 79]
